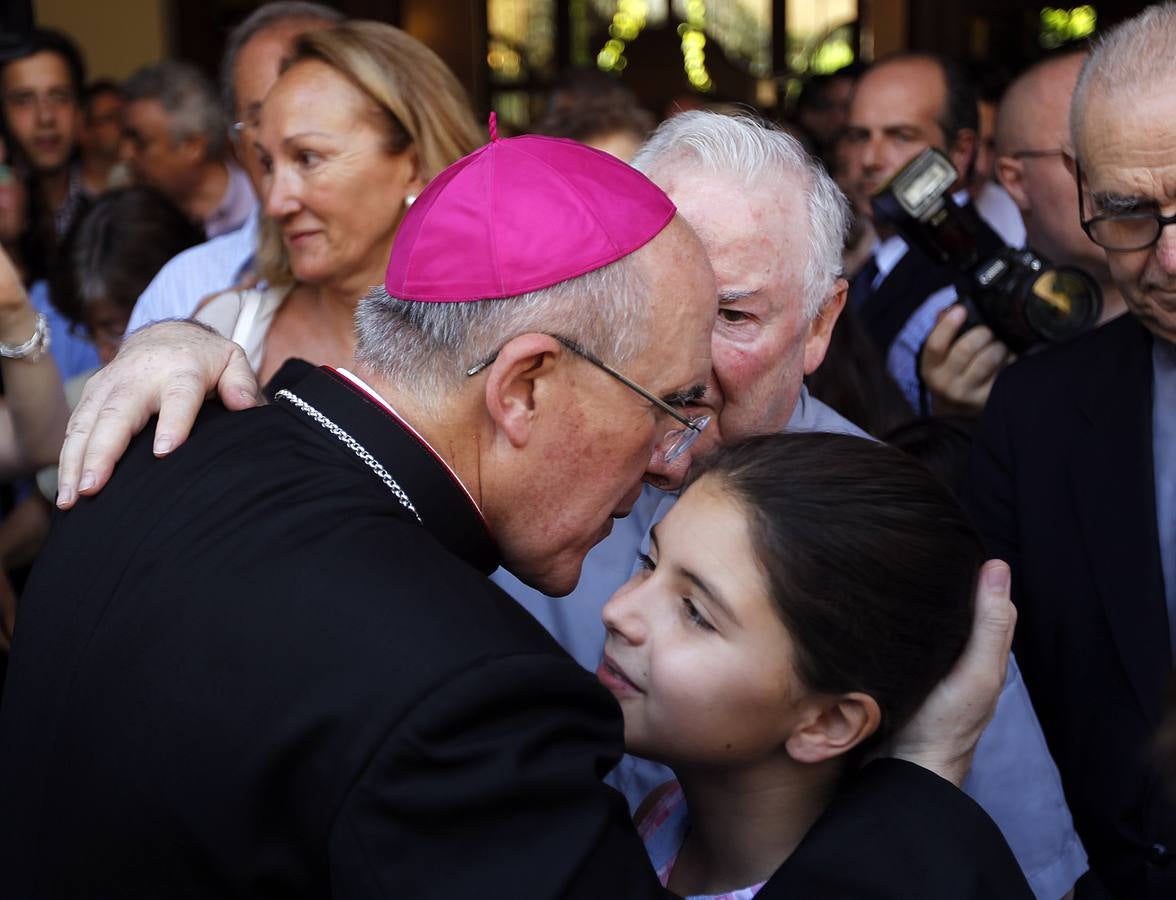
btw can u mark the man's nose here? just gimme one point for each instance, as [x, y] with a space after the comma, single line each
[45, 110]
[1165, 250]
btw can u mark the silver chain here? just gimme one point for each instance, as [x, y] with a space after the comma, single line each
[355, 447]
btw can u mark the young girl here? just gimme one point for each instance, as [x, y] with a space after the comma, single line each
[796, 607]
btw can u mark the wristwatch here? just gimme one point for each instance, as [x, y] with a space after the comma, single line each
[32, 349]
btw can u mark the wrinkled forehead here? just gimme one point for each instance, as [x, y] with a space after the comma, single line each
[1129, 146]
[755, 235]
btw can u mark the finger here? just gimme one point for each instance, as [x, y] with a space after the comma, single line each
[983, 368]
[77, 435]
[238, 387]
[943, 335]
[120, 417]
[179, 404]
[972, 342]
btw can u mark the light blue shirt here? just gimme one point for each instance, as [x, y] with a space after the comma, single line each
[1013, 776]
[198, 272]
[1164, 457]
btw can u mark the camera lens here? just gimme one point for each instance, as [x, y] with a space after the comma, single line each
[1062, 302]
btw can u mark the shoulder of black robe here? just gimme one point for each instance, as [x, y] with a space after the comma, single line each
[246, 670]
[895, 831]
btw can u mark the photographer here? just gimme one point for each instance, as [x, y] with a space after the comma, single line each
[1031, 142]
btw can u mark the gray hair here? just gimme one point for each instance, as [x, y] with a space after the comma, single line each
[1131, 60]
[187, 97]
[753, 151]
[259, 20]
[425, 349]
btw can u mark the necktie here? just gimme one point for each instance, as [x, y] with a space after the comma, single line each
[861, 289]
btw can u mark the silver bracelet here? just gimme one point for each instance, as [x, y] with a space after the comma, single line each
[32, 349]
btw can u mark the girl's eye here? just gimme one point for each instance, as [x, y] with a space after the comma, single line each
[645, 561]
[696, 618]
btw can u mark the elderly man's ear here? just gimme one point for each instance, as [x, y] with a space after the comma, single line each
[1010, 172]
[517, 386]
[820, 329]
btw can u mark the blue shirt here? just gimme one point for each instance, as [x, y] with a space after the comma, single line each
[1013, 775]
[1164, 463]
[72, 352]
[195, 274]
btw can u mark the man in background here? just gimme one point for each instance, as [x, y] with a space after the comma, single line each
[1073, 477]
[175, 138]
[40, 93]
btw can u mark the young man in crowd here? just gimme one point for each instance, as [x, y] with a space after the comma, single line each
[41, 86]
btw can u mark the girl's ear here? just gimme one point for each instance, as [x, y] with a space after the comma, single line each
[834, 726]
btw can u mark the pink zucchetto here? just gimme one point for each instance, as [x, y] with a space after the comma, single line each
[520, 214]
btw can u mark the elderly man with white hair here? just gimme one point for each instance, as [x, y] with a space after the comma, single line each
[1074, 476]
[747, 191]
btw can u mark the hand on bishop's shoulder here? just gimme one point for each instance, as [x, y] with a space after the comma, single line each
[167, 368]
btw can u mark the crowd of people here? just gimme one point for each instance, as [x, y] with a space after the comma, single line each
[595, 512]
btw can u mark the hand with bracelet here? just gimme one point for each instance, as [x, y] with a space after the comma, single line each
[35, 400]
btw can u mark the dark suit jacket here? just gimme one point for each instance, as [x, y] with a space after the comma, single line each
[1062, 487]
[247, 671]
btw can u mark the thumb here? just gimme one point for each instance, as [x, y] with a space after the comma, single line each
[237, 386]
[995, 616]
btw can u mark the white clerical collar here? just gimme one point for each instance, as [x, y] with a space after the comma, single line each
[371, 392]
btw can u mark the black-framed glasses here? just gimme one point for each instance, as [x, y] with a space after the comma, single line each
[1038, 154]
[1121, 231]
[676, 441]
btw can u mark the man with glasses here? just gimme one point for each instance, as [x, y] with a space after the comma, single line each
[1074, 476]
[175, 139]
[1032, 145]
[254, 53]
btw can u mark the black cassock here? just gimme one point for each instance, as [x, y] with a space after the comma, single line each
[247, 670]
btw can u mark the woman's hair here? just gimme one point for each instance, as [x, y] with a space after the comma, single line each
[420, 103]
[114, 251]
[870, 561]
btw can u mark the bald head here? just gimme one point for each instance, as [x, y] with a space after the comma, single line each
[1032, 130]
[1034, 112]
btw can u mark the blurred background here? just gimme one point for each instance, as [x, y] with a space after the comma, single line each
[670, 53]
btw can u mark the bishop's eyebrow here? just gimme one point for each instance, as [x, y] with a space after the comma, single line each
[685, 397]
[731, 296]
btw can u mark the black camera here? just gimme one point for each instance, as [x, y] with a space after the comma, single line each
[1022, 297]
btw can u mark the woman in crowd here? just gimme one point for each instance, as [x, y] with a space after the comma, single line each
[359, 122]
[796, 606]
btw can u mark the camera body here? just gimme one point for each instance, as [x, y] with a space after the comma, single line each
[1022, 297]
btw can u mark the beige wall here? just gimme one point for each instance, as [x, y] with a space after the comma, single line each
[116, 36]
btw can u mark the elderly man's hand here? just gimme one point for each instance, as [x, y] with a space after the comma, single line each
[960, 373]
[942, 737]
[169, 368]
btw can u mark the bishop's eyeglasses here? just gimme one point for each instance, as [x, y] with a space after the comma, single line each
[676, 441]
